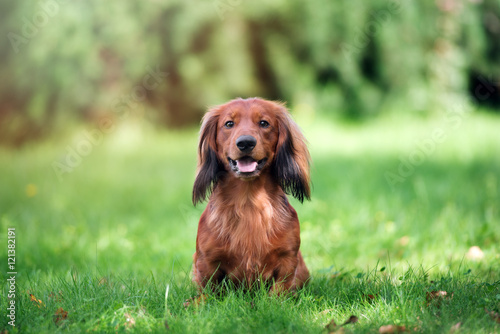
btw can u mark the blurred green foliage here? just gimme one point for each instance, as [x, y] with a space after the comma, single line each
[71, 60]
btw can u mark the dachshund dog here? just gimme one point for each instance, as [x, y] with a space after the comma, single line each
[250, 155]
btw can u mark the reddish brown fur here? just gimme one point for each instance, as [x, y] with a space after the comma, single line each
[248, 229]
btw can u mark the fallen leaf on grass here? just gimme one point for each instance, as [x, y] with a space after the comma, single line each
[352, 320]
[370, 298]
[387, 329]
[435, 297]
[60, 316]
[333, 328]
[495, 316]
[36, 301]
[436, 294]
[455, 327]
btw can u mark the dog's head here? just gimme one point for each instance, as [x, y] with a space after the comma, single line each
[246, 138]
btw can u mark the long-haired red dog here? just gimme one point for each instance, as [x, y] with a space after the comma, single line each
[251, 154]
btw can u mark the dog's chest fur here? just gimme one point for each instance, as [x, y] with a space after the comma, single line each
[245, 225]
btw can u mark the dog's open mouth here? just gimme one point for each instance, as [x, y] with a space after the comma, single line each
[247, 166]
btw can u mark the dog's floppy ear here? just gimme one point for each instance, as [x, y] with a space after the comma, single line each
[292, 160]
[210, 168]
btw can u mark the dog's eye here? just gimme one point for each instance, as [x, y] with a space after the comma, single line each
[264, 124]
[229, 124]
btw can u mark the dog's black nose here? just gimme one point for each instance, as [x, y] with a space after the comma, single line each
[246, 143]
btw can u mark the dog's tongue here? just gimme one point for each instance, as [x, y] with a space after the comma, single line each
[246, 165]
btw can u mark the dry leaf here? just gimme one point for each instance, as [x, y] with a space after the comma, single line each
[391, 329]
[352, 320]
[436, 294]
[436, 297]
[60, 316]
[331, 326]
[36, 301]
[455, 327]
[370, 298]
[474, 253]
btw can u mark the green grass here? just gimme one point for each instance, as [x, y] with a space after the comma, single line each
[103, 243]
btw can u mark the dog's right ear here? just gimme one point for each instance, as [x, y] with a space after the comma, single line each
[210, 168]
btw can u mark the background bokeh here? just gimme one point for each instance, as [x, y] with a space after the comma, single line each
[166, 61]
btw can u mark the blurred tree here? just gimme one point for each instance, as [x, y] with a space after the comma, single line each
[65, 61]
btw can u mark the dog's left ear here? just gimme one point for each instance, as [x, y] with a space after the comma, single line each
[210, 168]
[292, 160]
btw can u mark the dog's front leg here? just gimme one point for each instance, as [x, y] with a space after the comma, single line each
[284, 275]
[207, 273]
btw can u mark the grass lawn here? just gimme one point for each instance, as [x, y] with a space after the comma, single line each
[397, 205]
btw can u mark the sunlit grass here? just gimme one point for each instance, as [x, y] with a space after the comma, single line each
[104, 240]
